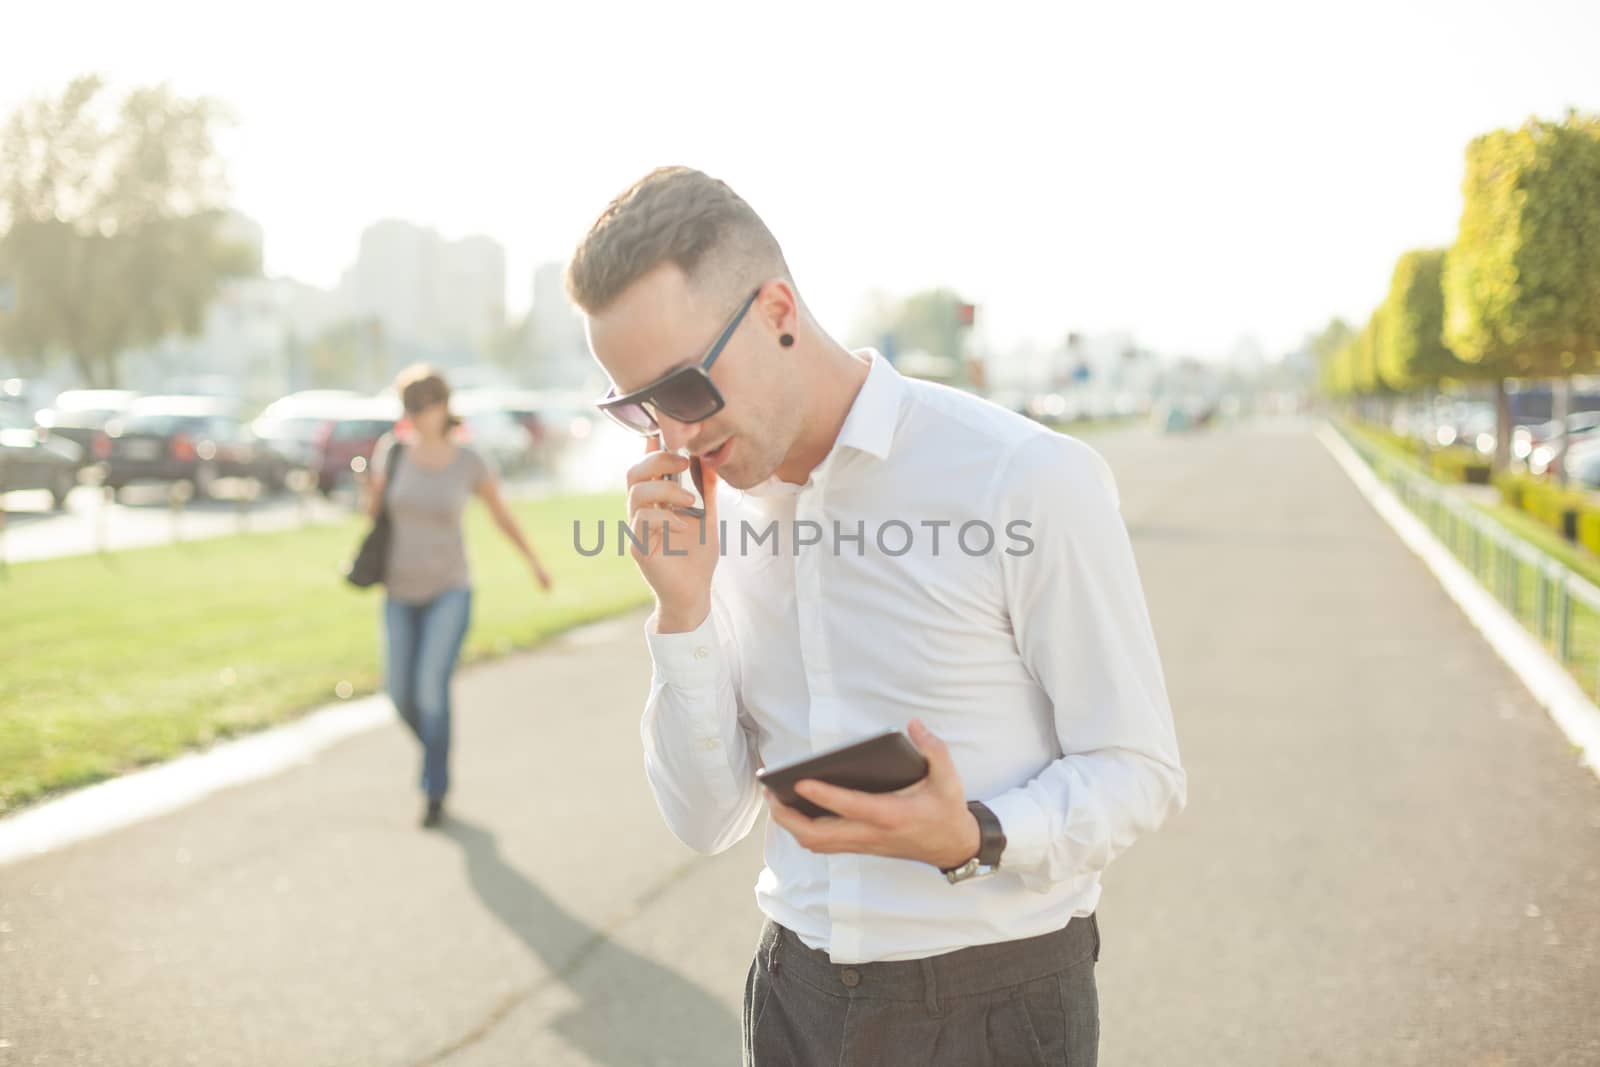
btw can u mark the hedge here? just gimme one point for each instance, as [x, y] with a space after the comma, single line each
[1461, 465]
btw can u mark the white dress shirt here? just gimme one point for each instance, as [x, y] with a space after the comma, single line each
[1038, 668]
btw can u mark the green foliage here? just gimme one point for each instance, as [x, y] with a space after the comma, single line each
[114, 228]
[927, 320]
[1327, 347]
[1411, 349]
[1460, 465]
[1520, 282]
[1513, 486]
[1549, 503]
[1589, 529]
[1367, 373]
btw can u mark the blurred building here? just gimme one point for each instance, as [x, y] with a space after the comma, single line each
[434, 299]
[556, 335]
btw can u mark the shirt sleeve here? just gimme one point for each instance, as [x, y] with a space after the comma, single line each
[482, 470]
[1082, 627]
[699, 748]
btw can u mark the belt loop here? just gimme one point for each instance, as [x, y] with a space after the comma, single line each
[930, 986]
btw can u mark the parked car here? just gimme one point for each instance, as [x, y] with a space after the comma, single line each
[348, 432]
[569, 419]
[195, 439]
[1583, 463]
[36, 458]
[1462, 422]
[79, 414]
[503, 425]
[523, 405]
[1537, 444]
[498, 438]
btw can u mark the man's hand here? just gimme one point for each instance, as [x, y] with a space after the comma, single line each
[928, 821]
[680, 552]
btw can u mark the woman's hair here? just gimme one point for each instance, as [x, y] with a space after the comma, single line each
[420, 387]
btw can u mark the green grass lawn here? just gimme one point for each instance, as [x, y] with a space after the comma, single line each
[112, 662]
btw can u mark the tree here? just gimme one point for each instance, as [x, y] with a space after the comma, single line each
[1520, 281]
[930, 320]
[113, 224]
[1367, 356]
[1412, 352]
[1327, 350]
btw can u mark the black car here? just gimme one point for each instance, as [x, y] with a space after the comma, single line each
[199, 440]
[35, 458]
[80, 414]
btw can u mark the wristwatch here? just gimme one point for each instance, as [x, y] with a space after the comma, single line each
[991, 843]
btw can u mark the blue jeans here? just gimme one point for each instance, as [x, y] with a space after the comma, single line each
[423, 643]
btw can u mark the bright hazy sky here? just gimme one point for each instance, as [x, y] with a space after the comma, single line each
[1191, 172]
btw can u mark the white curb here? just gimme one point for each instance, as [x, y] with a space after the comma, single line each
[1542, 673]
[141, 795]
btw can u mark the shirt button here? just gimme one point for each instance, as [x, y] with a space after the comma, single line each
[850, 977]
[702, 652]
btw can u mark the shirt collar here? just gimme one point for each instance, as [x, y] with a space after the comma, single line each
[868, 426]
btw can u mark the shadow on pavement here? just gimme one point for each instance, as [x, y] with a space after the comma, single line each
[631, 1009]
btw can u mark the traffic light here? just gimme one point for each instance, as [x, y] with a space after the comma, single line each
[966, 314]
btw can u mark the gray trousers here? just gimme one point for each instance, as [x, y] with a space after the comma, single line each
[1015, 1003]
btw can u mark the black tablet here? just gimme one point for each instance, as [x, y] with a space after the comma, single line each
[879, 764]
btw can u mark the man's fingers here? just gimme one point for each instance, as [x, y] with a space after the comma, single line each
[847, 803]
[657, 494]
[647, 525]
[940, 765]
[824, 835]
[656, 465]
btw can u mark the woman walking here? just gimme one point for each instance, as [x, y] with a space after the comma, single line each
[429, 599]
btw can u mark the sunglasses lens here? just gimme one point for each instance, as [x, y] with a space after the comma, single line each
[633, 417]
[686, 397]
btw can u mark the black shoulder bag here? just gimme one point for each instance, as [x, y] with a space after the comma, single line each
[368, 566]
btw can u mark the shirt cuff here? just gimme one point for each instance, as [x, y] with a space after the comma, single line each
[689, 660]
[1027, 831]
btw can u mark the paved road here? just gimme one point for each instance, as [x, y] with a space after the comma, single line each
[1390, 855]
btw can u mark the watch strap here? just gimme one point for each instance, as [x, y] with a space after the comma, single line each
[991, 839]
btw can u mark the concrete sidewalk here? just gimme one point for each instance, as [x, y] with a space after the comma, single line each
[1390, 855]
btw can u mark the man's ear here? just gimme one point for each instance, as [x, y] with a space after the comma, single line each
[779, 307]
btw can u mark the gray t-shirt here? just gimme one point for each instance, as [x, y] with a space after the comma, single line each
[427, 555]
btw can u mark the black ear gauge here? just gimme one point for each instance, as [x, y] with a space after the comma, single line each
[786, 340]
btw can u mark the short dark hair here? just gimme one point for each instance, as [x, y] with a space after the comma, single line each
[680, 216]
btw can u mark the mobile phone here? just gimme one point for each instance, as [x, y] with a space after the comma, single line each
[880, 764]
[697, 511]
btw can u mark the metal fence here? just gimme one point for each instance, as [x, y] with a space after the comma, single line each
[1550, 599]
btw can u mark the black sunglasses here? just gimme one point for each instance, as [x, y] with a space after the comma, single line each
[684, 395]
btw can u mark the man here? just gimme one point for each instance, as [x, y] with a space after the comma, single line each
[1022, 664]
